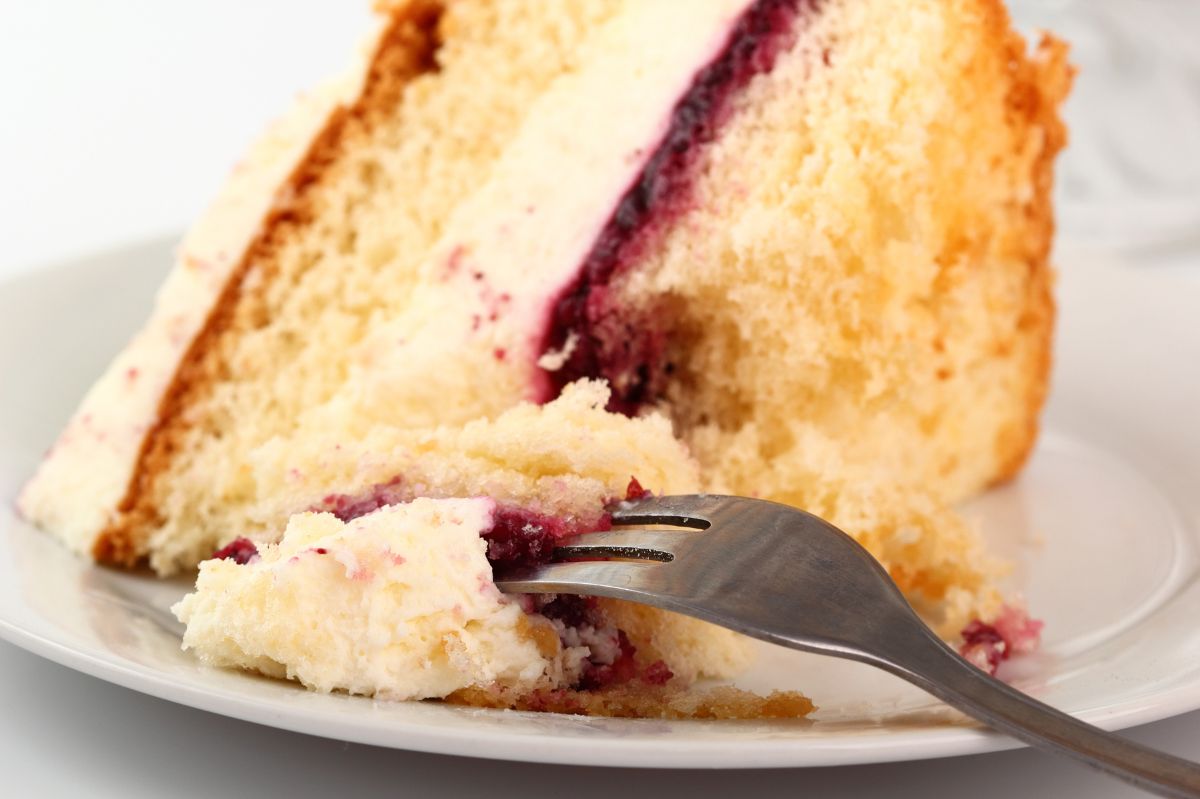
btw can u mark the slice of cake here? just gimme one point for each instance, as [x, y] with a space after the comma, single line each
[813, 233]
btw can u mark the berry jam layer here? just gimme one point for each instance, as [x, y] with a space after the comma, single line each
[518, 537]
[596, 334]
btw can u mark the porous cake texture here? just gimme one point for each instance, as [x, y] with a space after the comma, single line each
[811, 234]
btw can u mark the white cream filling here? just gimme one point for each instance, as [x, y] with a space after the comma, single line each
[398, 603]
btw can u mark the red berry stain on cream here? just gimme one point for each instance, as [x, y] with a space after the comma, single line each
[347, 507]
[582, 612]
[454, 262]
[622, 670]
[658, 673]
[517, 537]
[1011, 633]
[240, 550]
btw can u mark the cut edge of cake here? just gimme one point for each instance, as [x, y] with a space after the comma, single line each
[1050, 71]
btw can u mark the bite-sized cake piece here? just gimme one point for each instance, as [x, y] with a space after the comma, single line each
[814, 233]
[413, 523]
[399, 602]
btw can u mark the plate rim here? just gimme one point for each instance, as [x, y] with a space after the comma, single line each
[549, 749]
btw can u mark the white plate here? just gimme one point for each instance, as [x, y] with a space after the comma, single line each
[1103, 525]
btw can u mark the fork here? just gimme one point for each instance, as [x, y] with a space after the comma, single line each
[788, 577]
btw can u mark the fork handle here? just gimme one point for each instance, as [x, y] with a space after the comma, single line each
[940, 670]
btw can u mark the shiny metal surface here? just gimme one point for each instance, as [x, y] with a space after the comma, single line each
[785, 576]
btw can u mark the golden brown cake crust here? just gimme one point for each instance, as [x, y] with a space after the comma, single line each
[404, 51]
[1040, 85]
[644, 701]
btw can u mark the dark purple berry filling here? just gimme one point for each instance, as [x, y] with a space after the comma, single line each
[518, 536]
[240, 550]
[347, 506]
[523, 538]
[622, 670]
[584, 611]
[571, 609]
[604, 338]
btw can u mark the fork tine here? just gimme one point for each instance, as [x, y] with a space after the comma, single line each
[694, 511]
[643, 544]
[596, 577]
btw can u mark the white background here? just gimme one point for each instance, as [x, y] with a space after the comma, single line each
[118, 122]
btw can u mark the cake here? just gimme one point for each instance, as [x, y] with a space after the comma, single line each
[408, 609]
[810, 237]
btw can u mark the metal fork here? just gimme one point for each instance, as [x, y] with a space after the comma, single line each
[785, 576]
